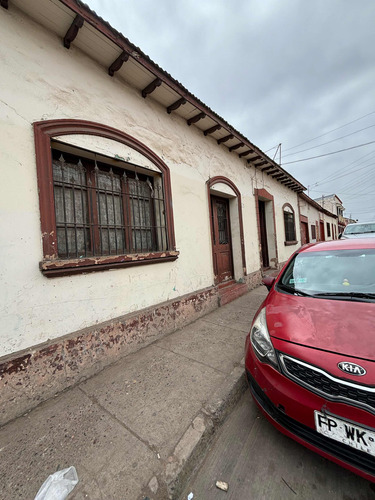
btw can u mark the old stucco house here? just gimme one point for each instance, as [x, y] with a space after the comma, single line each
[317, 223]
[333, 204]
[128, 207]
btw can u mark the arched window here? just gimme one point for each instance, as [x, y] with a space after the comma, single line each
[289, 224]
[100, 210]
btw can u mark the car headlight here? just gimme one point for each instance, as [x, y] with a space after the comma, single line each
[261, 341]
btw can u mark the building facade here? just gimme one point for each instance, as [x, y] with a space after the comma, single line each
[333, 204]
[126, 202]
[317, 223]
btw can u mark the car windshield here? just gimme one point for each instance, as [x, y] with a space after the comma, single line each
[338, 272]
[360, 228]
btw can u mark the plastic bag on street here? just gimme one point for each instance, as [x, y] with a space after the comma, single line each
[57, 486]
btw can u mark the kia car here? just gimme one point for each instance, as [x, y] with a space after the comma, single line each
[310, 353]
[359, 230]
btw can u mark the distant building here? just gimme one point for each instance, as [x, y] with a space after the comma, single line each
[316, 223]
[333, 204]
[348, 220]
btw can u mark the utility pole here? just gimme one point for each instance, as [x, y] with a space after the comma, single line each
[278, 150]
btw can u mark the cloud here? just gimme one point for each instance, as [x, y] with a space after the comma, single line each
[279, 72]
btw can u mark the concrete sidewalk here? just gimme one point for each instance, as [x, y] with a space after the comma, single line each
[138, 428]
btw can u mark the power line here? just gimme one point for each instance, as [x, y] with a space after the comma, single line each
[328, 154]
[330, 131]
[271, 148]
[329, 142]
[363, 177]
[343, 175]
[354, 195]
[332, 176]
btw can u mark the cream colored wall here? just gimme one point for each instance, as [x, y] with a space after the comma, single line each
[330, 220]
[41, 80]
[313, 215]
[281, 196]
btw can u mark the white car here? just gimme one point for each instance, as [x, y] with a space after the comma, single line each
[359, 230]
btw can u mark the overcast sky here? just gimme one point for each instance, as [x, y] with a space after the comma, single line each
[279, 71]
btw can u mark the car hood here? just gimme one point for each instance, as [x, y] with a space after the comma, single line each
[340, 326]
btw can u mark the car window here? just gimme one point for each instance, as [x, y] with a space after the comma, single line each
[332, 271]
[360, 228]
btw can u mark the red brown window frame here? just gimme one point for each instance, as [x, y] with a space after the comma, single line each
[51, 265]
[290, 242]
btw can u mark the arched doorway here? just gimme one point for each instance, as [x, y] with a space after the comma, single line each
[228, 250]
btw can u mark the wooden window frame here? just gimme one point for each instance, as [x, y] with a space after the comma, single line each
[294, 241]
[51, 265]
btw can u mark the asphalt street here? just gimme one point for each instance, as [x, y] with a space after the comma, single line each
[258, 462]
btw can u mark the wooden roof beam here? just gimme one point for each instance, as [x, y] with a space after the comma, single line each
[176, 105]
[116, 65]
[255, 158]
[225, 139]
[72, 32]
[266, 168]
[245, 153]
[236, 146]
[261, 163]
[212, 129]
[270, 172]
[280, 176]
[151, 87]
[196, 118]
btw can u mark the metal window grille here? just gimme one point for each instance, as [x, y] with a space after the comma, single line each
[290, 233]
[103, 211]
[313, 232]
[222, 222]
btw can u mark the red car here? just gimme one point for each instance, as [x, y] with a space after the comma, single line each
[310, 353]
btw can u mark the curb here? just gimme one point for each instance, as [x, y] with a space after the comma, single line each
[190, 451]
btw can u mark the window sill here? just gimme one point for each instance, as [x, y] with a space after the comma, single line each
[55, 268]
[290, 243]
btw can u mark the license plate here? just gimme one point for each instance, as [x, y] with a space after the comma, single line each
[345, 432]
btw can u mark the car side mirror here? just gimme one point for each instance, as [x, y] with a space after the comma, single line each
[340, 236]
[268, 281]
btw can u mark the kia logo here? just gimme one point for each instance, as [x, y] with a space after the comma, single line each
[351, 368]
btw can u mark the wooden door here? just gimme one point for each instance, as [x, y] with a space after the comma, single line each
[322, 237]
[304, 233]
[263, 234]
[222, 247]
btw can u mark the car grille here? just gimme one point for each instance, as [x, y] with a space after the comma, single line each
[324, 384]
[345, 453]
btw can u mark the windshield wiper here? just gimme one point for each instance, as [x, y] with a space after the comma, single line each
[294, 291]
[355, 295]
